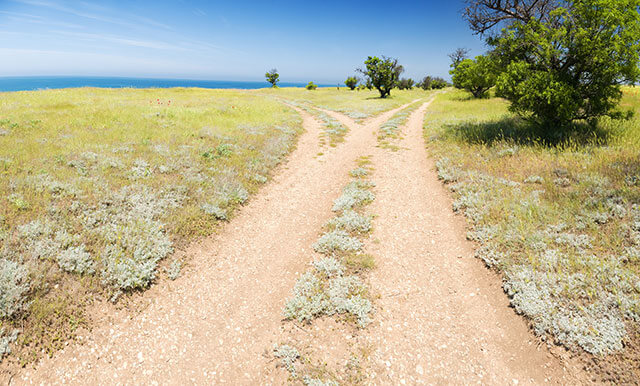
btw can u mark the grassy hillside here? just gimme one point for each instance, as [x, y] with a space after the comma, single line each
[100, 186]
[560, 221]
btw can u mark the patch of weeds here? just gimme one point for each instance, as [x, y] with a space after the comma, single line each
[446, 171]
[359, 172]
[308, 381]
[534, 180]
[14, 286]
[352, 195]
[288, 356]
[6, 339]
[215, 211]
[390, 130]
[76, 260]
[359, 261]
[337, 240]
[18, 201]
[317, 294]
[173, 271]
[351, 221]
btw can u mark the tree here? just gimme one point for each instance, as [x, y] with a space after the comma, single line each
[311, 86]
[406, 84]
[458, 56]
[272, 77]
[425, 83]
[476, 76]
[382, 73]
[561, 61]
[351, 82]
[438, 83]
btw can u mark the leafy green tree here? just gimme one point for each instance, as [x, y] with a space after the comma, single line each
[351, 82]
[562, 61]
[476, 76]
[272, 77]
[438, 83]
[311, 86]
[382, 73]
[406, 84]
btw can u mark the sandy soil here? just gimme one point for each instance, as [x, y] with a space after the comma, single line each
[441, 317]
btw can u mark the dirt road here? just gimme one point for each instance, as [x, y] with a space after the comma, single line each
[441, 317]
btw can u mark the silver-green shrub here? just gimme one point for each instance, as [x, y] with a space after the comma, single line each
[352, 195]
[76, 260]
[14, 286]
[6, 340]
[337, 240]
[288, 355]
[351, 221]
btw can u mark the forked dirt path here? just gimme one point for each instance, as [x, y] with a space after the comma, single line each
[441, 317]
[213, 324]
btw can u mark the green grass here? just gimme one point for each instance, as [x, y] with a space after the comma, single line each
[356, 104]
[99, 186]
[558, 220]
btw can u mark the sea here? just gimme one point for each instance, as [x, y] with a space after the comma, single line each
[28, 83]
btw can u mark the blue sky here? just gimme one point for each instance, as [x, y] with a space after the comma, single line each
[323, 41]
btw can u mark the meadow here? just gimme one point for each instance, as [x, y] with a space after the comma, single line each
[357, 104]
[99, 187]
[558, 218]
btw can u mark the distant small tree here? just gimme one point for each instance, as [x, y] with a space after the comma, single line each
[272, 77]
[438, 83]
[383, 73]
[406, 84]
[476, 76]
[311, 86]
[351, 82]
[458, 56]
[425, 83]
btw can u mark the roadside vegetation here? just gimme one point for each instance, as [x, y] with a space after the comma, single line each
[335, 284]
[390, 131]
[560, 220]
[99, 187]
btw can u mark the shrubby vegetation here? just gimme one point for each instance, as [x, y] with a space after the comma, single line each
[332, 286]
[351, 82]
[406, 84]
[559, 221]
[383, 74]
[311, 86]
[432, 83]
[477, 75]
[272, 77]
[390, 130]
[100, 186]
[561, 62]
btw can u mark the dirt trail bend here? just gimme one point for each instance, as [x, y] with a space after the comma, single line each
[213, 323]
[442, 317]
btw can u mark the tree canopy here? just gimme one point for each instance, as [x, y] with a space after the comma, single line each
[561, 61]
[475, 75]
[351, 82]
[382, 73]
[272, 77]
